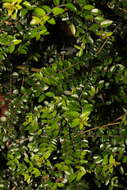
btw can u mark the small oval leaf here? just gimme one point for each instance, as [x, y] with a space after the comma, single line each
[71, 7]
[57, 11]
[106, 23]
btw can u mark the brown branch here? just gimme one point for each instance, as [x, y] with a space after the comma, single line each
[99, 127]
[102, 46]
[8, 23]
[124, 10]
[33, 69]
[115, 122]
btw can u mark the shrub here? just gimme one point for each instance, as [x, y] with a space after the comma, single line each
[63, 74]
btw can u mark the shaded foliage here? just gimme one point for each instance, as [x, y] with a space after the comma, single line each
[63, 83]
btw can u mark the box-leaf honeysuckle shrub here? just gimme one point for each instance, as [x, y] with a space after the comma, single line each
[63, 74]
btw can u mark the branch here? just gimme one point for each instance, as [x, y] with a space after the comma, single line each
[99, 127]
[100, 49]
[115, 122]
[124, 10]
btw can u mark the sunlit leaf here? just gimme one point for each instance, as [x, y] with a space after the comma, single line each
[88, 7]
[39, 12]
[35, 20]
[106, 23]
[57, 11]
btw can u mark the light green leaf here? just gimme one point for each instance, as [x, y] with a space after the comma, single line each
[88, 7]
[73, 114]
[35, 20]
[14, 15]
[16, 42]
[52, 21]
[72, 28]
[75, 122]
[111, 160]
[95, 11]
[36, 172]
[47, 154]
[99, 18]
[44, 19]
[28, 5]
[11, 48]
[80, 175]
[80, 52]
[105, 160]
[106, 23]
[27, 178]
[57, 11]
[39, 12]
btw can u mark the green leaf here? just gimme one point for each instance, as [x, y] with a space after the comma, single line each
[106, 23]
[80, 52]
[52, 21]
[81, 2]
[75, 122]
[99, 18]
[35, 20]
[36, 172]
[47, 154]
[44, 19]
[95, 11]
[71, 7]
[72, 177]
[39, 12]
[46, 8]
[11, 49]
[41, 98]
[73, 114]
[111, 160]
[105, 160]
[28, 5]
[27, 178]
[81, 173]
[72, 28]
[56, 2]
[16, 42]
[50, 94]
[89, 17]
[88, 7]
[57, 11]
[94, 27]
[14, 15]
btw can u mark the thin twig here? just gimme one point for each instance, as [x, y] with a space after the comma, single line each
[41, 70]
[99, 127]
[104, 43]
[124, 10]
[103, 126]
[100, 49]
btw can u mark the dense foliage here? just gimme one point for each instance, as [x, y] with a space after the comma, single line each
[63, 95]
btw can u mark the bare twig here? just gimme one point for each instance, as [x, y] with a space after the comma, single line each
[115, 122]
[99, 127]
[124, 10]
[100, 49]
[104, 43]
